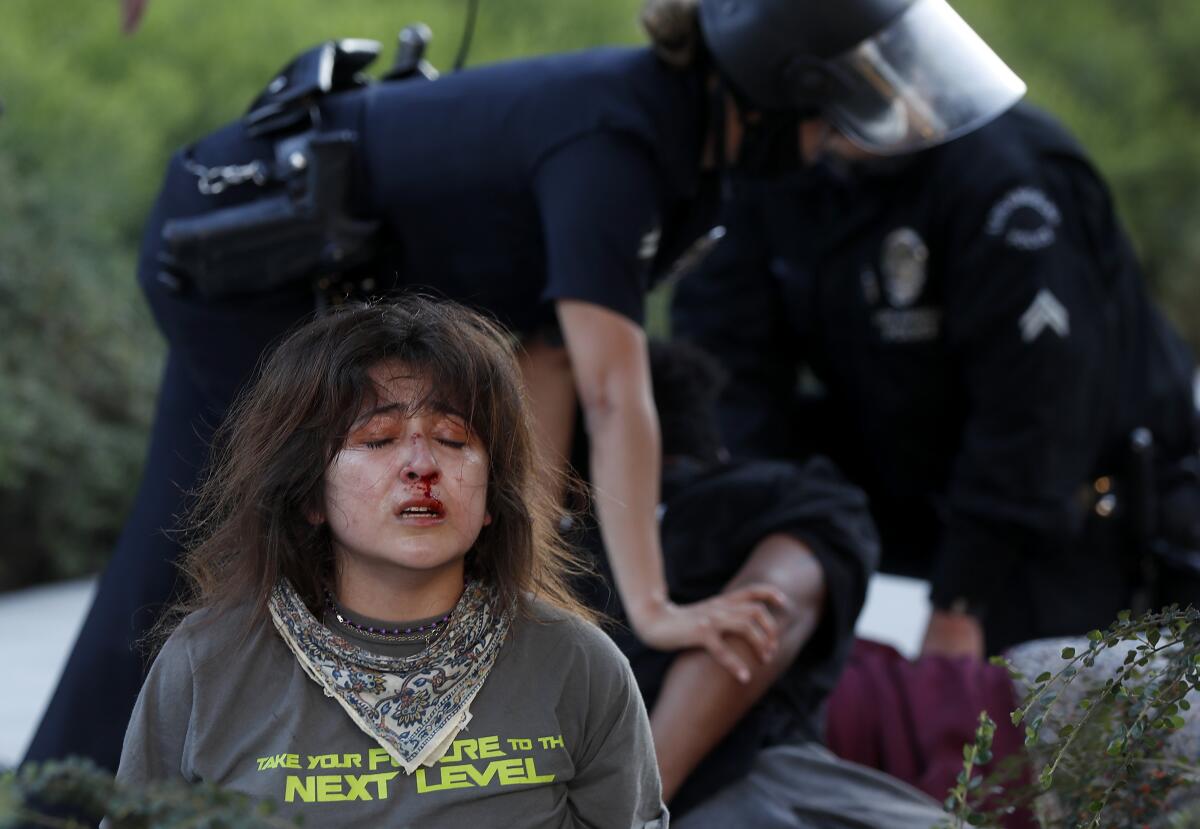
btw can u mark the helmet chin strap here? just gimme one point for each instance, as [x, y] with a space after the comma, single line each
[820, 150]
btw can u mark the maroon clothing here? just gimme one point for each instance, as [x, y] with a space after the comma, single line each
[912, 718]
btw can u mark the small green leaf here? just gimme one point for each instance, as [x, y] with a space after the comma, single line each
[1043, 677]
[1068, 653]
[1095, 635]
[1123, 616]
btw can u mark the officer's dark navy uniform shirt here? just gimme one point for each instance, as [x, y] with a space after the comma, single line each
[505, 187]
[979, 323]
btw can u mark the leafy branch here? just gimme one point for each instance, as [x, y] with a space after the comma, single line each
[1104, 755]
[75, 794]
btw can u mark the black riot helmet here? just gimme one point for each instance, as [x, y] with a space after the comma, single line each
[893, 75]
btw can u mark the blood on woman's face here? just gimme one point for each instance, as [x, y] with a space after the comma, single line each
[407, 492]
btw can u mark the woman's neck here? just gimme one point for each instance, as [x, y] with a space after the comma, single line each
[385, 594]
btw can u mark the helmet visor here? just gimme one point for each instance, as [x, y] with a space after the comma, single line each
[925, 79]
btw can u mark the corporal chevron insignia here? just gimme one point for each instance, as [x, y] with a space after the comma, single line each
[1045, 312]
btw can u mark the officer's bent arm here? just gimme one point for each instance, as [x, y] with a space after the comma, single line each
[612, 376]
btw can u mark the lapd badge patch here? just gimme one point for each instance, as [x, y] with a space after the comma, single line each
[903, 261]
[1025, 218]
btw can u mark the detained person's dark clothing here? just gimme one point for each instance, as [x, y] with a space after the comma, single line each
[979, 325]
[712, 517]
[505, 187]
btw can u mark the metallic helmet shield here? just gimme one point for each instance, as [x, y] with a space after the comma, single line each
[924, 79]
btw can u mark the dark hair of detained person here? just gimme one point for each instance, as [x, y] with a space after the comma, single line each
[379, 630]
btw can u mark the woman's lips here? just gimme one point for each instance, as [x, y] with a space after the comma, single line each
[420, 510]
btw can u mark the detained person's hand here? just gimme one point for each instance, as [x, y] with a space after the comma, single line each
[953, 634]
[744, 613]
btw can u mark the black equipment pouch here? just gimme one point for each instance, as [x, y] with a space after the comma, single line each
[288, 101]
[300, 227]
[300, 233]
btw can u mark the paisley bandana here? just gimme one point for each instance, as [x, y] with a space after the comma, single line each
[413, 706]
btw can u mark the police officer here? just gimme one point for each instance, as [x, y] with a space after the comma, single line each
[949, 270]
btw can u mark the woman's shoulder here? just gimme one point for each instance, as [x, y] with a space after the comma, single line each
[209, 632]
[554, 635]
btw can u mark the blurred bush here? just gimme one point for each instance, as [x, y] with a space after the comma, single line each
[1121, 76]
[91, 118]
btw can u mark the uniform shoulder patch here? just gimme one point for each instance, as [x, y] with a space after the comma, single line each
[1025, 218]
[1045, 312]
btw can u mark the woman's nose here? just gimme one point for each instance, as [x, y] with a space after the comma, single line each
[420, 462]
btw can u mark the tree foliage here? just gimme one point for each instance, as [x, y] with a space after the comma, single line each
[1104, 729]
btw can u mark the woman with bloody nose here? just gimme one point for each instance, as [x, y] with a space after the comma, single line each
[375, 567]
[405, 499]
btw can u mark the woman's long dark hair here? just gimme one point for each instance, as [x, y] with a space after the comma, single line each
[251, 524]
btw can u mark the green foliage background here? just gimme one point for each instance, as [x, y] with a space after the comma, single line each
[92, 117]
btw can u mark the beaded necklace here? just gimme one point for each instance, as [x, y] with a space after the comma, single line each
[388, 635]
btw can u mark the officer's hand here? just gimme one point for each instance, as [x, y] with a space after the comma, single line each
[953, 634]
[743, 613]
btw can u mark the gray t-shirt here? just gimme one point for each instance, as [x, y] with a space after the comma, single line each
[559, 735]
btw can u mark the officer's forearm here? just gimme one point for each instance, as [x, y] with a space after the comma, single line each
[701, 702]
[612, 375]
[551, 386]
[625, 468]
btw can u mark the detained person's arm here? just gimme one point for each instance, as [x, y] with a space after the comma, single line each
[699, 703]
